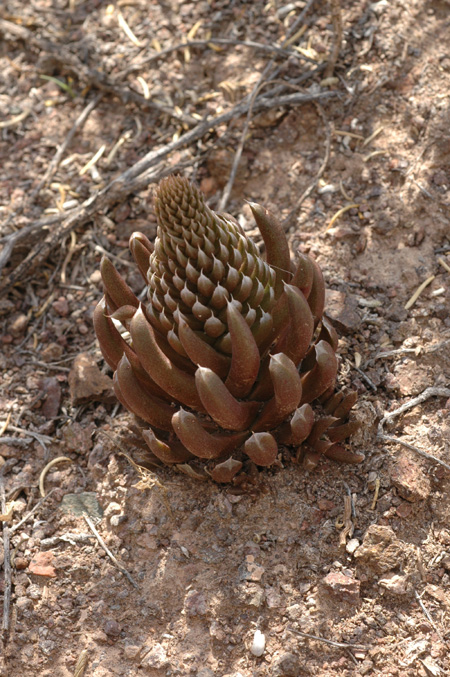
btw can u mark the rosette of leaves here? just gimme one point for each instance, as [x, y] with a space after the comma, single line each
[224, 362]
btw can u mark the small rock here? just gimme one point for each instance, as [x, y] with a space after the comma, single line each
[404, 509]
[381, 550]
[61, 306]
[294, 612]
[112, 628]
[41, 565]
[23, 603]
[18, 325]
[131, 650]
[395, 583]
[285, 665]
[258, 644]
[352, 545]
[51, 352]
[341, 309]
[87, 383]
[51, 388]
[95, 278]
[345, 588]
[77, 438]
[195, 603]
[205, 672]
[155, 659]
[21, 563]
[411, 482]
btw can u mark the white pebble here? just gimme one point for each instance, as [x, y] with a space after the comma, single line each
[259, 643]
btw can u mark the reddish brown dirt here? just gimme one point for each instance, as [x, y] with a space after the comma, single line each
[211, 567]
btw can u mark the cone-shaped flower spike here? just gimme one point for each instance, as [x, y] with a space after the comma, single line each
[231, 356]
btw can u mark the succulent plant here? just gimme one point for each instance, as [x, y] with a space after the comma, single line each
[222, 363]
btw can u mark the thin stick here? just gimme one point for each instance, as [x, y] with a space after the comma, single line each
[339, 645]
[421, 452]
[32, 511]
[388, 416]
[42, 439]
[306, 193]
[336, 19]
[271, 49]
[256, 89]
[108, 552]
[418, 292]
[433, 391]
[6, 563]
[54, 164]
[131, 180]
[427, 613]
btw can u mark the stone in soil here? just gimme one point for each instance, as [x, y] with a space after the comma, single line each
[51, 388]
[341, 309]
[381, 550]
[285, 665]
[341, 587]
[87, 383]
[397, 584]
[41, 565]
[409, 479]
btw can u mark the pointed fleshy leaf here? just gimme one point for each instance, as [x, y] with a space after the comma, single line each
[124, 314]
[141, 248]
[183, 363]
[316, 298]
[262, 448]
[154, 411]
[338, 453]
[224, 472]
[175, 453]
[262, 328]
[263, 389]
[200, 352]
[280, 321]
[277, 248]
[177, 383]
[295, 341]
[344, 407]
[198, 441]
[312, 455]
[329, 405]
[287, 388]
[298, 428]
[245, 359]
[194, 472]
[328, 333]
[220, 404]
[323, 375]
[304, 274]
[341, 432]
[111, 342]
[116, 286]
[319, 428]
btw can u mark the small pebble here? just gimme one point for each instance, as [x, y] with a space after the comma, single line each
[259, 644]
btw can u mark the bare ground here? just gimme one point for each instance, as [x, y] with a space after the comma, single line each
[356, 557]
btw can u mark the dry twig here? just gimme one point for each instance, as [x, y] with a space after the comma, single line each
[108, 552]
[388, 416]
[6, 562]
[32, 511]
[150, 169]
[336, 19]
[330, 642]
[77, 125]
